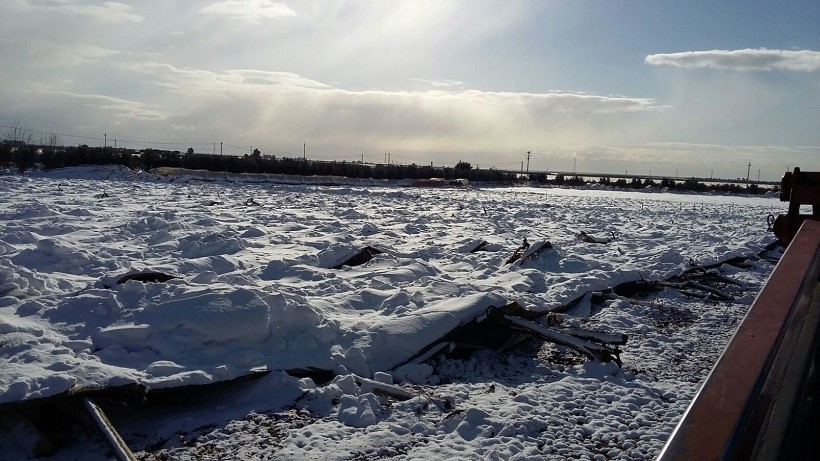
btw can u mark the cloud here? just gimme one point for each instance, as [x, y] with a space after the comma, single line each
[47, 54]
[281, 109]
[121, 109]
[683, 160]
[252, 11]
[112, 12]
[740, 60]
[441, 83]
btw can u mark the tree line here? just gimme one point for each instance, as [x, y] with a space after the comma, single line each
[25, 156]
[691, 185]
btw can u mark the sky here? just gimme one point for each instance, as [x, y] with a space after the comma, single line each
[696, 88]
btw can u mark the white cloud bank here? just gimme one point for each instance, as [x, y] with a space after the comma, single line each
[283, 107]
[110, 12]
[52, 55]
[252, 11]
[740, 60]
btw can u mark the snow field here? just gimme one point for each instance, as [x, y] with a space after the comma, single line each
[256, 288]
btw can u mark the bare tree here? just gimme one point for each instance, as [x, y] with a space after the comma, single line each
[49, 139]
[18, 133]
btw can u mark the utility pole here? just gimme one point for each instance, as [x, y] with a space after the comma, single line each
[362, 159]
[529, 154]
[304, 151]
[115, 143]
[220, 147]
[758, 175]
[105, 142]
[748, 170]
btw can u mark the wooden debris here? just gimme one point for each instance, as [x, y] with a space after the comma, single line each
[389, 390]
[109, 433]
[501, 328]
[687, 287]
[591, 349]
[630, 289]
[428, 352]
[56, 418]
[598, 336]
[527, 252]
[146, 277]
[361, 257]
[714, 274]
[317, 375]
[586, 238]
[480, 246]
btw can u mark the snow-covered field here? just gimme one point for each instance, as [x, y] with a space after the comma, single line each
[256, 287]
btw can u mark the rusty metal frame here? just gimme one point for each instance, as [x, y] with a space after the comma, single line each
[750, 405]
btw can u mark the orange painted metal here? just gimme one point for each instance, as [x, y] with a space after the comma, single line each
[733, 410]
[797, 188]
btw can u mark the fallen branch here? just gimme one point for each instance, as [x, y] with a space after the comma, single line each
[714, 274]
[682, 287]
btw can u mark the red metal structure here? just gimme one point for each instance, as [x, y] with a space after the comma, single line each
[762, 399]
[797, 188]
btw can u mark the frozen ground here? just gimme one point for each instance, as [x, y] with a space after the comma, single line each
[256, 287]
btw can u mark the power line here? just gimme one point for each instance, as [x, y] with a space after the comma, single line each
[49, 132]
[130, 141]
[167, 143]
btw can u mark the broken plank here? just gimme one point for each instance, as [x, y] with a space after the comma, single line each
[109, 433]
[390, 390]
[588, 348]
[480, 246]
[146, 277]
[529, 252]
[597, 336]
[360, 257]
[428, 353]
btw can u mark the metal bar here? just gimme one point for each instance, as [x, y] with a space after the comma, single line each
[783, 423]
[734, 408]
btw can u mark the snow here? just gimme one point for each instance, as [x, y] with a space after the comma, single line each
[256, 288]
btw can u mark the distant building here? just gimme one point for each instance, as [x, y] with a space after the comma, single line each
[440, 182]
[12, 143]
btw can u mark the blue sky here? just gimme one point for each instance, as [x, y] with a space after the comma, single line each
[675, 88]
